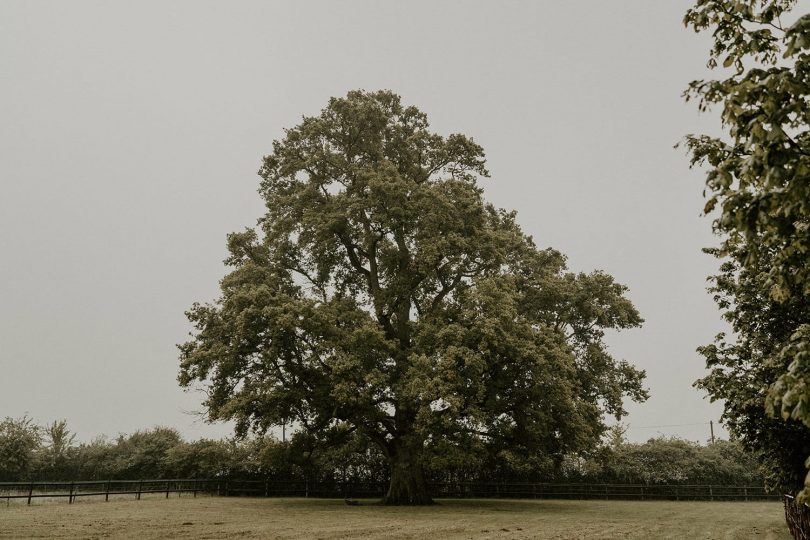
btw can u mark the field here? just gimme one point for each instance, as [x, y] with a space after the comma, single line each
[216, 517]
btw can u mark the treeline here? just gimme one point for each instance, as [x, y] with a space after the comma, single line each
[667, 461]
[32, 452]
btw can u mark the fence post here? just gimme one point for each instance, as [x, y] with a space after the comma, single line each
[195, 488]
[265, 487]
[70, 495]
[167, 489]
[745, 492]
[306, 487]
[140, 485]
[30, 492]
[107, 492]
[711, 494]
[642, 492]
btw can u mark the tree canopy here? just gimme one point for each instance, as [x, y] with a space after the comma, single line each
[742, 369]
[19, 437]
[380, 297]
[758, 183]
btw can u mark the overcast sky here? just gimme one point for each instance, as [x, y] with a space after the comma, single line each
[131, 135]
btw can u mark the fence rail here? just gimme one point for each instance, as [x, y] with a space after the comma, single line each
[513, 490]
[603, 491]
[302, 488]
[105, 488]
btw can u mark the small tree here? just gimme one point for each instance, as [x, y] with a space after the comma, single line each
[383, 298]
[97, 460]
[143, 453]
[55, 456]
[20, 439]
[204, 458]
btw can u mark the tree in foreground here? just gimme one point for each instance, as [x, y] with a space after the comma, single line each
[758, 181]
[742, 370]
[382, 298]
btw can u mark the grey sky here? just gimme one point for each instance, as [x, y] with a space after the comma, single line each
[132, 132]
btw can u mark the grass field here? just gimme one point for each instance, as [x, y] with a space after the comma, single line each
[214, 517]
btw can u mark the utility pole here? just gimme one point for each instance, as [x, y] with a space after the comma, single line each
[711, 429]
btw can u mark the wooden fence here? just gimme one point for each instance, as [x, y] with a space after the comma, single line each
[105, 488]
[511, 490]
[300, 488]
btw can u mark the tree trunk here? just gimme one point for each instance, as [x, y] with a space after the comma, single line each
[408, 486]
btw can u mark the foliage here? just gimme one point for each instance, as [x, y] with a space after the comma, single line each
[383, 298]
[56, 455]
[141, 454]
[160, 453]
[743, 370]
[665, 460]
[204, 458]
[672, 461]
[97, 460]
[758, 181]
[19, 440]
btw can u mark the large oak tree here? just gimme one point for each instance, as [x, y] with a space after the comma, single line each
[381, 297]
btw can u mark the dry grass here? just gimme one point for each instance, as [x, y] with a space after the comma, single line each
[209, 517]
